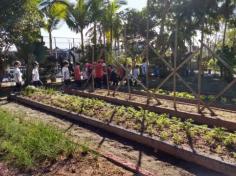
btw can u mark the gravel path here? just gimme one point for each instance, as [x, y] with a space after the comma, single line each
[156, 162]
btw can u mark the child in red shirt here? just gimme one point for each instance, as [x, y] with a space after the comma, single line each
[98, 74]
[77, 74]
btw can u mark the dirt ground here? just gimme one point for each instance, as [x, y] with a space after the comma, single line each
[154, 161]
[86, 166]
[83, 166]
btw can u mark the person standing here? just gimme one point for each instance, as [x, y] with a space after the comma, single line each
[98, 74]
[35, 75]
[136, 74]
[144, 70]
[105, 75]
[113, 76]
[18, 76]
[77, 74]
[129, 77]
[121, 73]
[66, 73]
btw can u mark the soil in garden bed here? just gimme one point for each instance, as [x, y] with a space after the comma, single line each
[214, 143]
[156, 162]
[221, 113]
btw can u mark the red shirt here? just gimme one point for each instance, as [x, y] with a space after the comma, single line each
[121, 72]
[77, 73]
[99, 70]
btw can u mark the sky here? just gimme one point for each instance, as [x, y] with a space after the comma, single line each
[64, 36]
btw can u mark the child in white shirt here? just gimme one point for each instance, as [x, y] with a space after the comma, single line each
[18, 76]
[35, 75]
[66, 73]
[144, 68]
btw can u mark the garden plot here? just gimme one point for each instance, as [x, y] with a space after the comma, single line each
[212, 143]
[153, 161]
[225, 118]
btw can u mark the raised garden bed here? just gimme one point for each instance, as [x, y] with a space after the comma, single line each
[139, 101]
[212, 148]
[188, 98]
[185, 97]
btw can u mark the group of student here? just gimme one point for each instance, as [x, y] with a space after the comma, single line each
[18, 76]
[103, 74]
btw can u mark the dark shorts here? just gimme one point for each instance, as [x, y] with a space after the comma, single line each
[67, 82]
[18, 87]
[37, 83]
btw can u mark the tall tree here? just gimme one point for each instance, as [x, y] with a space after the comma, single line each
[227, 11]
[53, 11]
[22, 27]
[78, 19]
[95, 11]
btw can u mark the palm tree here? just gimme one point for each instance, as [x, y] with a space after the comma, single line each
[227, 10]
[95, 13]
[117, 25]
[53, 11]
[78, 19]
[111, 21]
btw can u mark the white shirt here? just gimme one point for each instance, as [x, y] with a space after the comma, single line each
[136, 73]
[85, 75]
[65, 73]
[144, 68]
[35, 74]
[17, 75]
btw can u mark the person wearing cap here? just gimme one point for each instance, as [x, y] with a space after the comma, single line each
[66, 73]
[18, 76]
[35, 75]
[77, 73]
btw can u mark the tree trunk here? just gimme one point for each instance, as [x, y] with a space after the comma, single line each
[1, 69]
[162, 28]
[28, 62]
[111, 37]
[147, 44]
[104, 39]
[100, 36]
[118, 44]
[50, 40]
[225, 30]
[95, 39]
[82, 41]
[115, 45]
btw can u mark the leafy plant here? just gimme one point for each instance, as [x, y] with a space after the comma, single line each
[177, 139]
[230, 140]
[164, 135]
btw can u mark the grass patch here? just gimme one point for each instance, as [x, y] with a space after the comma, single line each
[26, 144]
